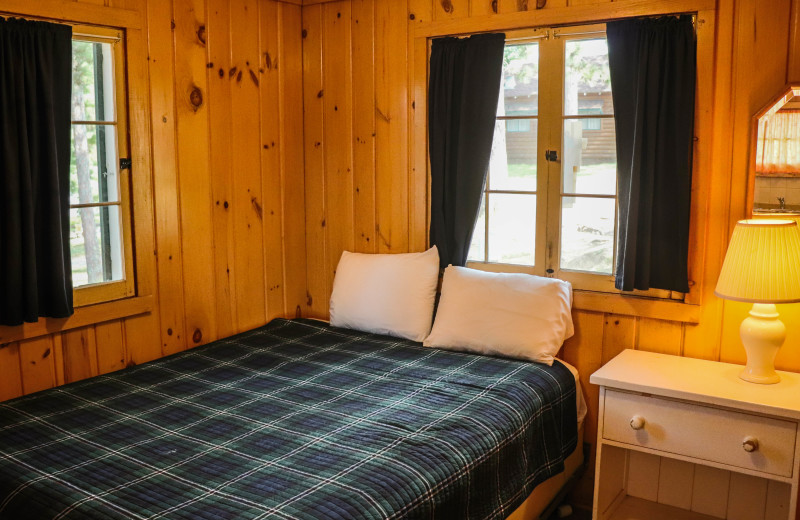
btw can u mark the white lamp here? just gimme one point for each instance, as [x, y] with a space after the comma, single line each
[762, 266]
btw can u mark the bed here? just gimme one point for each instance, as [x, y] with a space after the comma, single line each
[293, 420]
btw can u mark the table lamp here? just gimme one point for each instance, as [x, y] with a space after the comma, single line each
[762, 266]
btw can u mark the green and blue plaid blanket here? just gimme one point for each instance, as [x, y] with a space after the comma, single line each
[293, 420]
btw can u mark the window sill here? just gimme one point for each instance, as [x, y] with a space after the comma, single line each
[636, 306]
[84, 316]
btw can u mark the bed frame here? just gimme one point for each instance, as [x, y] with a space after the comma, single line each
[547, 496]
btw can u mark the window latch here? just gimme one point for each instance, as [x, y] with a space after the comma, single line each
[551, 155]
[125, 164]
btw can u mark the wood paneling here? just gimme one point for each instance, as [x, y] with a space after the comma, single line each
[218, 197]
[194, 176]
[11, 382]
[36, 367]
[319, 278]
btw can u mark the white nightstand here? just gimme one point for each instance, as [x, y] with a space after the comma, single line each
[686, 439]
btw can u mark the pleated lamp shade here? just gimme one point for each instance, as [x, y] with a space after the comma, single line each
[763, 263]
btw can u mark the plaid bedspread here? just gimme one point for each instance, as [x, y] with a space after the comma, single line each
[292, 420]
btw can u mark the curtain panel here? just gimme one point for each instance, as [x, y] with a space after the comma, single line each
[778, 148]
[463, 92]
[653, 70]
[35, 93]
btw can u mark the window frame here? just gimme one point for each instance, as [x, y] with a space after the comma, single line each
[100, 292]
[549, 192]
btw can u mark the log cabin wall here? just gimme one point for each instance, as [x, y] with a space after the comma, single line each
[216, 130]
[366, 192]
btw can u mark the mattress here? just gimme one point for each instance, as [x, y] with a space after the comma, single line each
[580, 400]
[295, 419]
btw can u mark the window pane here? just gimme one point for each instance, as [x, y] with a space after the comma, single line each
[587, 85]
[477, 249]
[92, 81]
[512, 228]
[513, 162]
[95, 245]
[589, 164]
[93, 165]
[520, 93]
[587, 234]
[518, 125]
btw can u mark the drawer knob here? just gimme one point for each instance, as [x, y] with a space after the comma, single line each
[750, 444]
[637, 422]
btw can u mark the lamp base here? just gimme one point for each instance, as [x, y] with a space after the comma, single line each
[762, 335]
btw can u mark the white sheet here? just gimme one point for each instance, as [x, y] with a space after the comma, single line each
[579, 398]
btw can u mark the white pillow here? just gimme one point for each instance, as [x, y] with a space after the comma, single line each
[514, 315]
[386, 294]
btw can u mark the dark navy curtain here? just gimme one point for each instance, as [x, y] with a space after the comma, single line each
[653, 69]
[35, 93]
[464, 88]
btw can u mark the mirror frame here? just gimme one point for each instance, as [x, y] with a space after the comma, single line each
[751, 161]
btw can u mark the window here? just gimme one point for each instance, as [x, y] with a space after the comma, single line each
[100, 234]
[593, 123]
[518, 125]
[552, 217]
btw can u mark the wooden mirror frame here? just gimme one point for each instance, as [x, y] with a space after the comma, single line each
[751, 160]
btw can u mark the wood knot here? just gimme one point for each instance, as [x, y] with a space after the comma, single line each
[257, 207]
[447, 5]
[412, 16]
[201, 34]
[304, 33]
[197, 337]
[522, 5]
[196, 98]
[494, 6]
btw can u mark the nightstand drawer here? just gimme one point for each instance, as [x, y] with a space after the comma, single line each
[700, 432]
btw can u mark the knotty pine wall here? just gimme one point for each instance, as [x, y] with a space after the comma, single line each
[364, 194]
[220, 221]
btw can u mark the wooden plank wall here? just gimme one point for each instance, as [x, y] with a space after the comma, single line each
[227, 229]
[361, 192]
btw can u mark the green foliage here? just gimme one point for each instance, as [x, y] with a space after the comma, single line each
[585, 59]
[591, 68]
[83, 108]
[521, 64]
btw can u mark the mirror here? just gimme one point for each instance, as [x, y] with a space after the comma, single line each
[777, 156]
